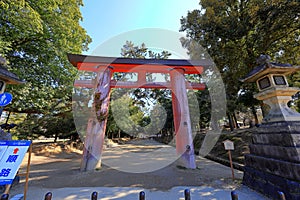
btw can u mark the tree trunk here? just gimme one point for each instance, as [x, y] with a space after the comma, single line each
[254, 114]
[230, 121]
[7, 117]
[236, 125]
[55, 137]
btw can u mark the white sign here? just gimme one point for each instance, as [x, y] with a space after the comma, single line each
[228, 144]
[3, 147]
[11, 156]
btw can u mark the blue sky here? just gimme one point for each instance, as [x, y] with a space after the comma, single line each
[107, 20]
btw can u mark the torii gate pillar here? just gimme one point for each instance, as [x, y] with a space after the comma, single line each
[97, 125]
[182, 122]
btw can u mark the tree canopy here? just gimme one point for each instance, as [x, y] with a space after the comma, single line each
[235, 33]
[35, 37]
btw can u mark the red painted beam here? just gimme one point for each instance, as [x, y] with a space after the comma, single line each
[154, 68]
[131, 84]
[85, 83]
[156, 85]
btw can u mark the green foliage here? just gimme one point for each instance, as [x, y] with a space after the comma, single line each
[235, 33]
[35, 39]
[14, 118]
[125, 115]
[204, 103]
[47, 125]
[129, 50]
[157, 116]
[294, 81]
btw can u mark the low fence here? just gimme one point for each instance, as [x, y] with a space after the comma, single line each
[142, 196]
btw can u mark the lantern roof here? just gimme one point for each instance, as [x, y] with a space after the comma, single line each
[7, 76]
[266, 67]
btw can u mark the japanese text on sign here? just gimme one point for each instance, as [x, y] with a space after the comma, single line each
[11, 157]
[228, 145]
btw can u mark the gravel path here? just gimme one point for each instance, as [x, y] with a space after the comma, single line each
[59, 173]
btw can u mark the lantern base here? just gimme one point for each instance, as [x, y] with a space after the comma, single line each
[274, 161]
[277, 98]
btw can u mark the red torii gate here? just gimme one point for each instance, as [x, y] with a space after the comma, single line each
[106, 66]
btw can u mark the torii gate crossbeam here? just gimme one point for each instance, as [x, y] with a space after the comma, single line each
[106, 66]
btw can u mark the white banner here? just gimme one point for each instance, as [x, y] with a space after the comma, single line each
[11, 156]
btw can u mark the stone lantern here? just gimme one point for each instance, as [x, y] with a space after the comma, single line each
[273, 164]
[274, 89]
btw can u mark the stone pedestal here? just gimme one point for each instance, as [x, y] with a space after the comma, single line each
[274, 161]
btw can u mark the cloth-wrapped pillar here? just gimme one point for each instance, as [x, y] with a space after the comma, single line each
[97, 123]
[182, 122]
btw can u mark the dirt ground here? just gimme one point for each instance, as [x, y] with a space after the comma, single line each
[58, 166]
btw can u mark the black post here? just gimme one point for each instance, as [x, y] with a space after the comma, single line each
[187, 194]
[48, 196]
[94, 196]
[234, 195]
[4, 196]
[142, 195]
[281, 195]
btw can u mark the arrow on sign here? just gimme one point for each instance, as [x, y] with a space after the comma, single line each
[5, 98]
[16, 150]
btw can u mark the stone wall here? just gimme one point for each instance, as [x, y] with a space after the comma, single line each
[274, 161]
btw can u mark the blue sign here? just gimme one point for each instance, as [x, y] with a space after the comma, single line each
[12, 154]
[5, 99]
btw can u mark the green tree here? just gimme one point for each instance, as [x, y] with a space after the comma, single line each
[129, 50]
[126, 115]
[35, 37]
[143, 98]
[235, 33]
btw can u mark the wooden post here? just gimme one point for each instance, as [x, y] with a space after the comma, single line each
[229, 145]
[7, 188]
[97, 123]
[27, 171]
[231, 165]
[182, 122]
